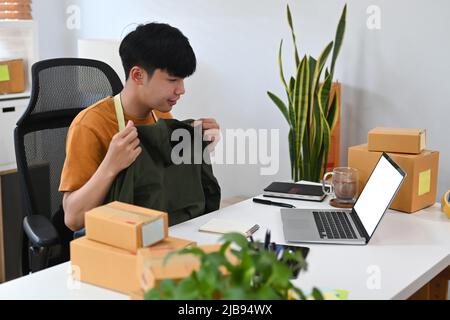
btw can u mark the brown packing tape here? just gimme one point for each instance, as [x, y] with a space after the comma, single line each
[141, 211]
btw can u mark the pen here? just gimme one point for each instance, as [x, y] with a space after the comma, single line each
[273, 203]
[267, 240]
[280, 254]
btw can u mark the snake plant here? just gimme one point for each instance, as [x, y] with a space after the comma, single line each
[311, 110]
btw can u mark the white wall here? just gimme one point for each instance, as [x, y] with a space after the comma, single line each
[395, 76]
[55, 40]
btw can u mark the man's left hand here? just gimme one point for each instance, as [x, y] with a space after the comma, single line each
[211, 131]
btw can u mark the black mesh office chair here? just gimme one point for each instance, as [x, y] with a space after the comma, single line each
[61, 88]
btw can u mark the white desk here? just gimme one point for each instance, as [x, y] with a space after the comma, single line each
[406, 251]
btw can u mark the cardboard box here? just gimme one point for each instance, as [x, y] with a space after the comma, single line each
[103, 265]
[126, 226]
[137, 295]
[419, 188]
[178, 267]
[12, 76]
[145, 255]
[398, 140]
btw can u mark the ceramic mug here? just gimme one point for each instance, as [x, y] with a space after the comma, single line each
[344, 184]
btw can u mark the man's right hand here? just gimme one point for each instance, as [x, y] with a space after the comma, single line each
[123, 149]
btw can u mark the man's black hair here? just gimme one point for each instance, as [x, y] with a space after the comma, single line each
[158, 46]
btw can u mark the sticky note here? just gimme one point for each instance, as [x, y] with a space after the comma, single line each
[4, 72]
[424, 182]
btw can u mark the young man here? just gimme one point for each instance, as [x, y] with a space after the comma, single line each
[156, 58]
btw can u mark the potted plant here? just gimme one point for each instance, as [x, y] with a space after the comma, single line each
[252, 273]
[311, 109]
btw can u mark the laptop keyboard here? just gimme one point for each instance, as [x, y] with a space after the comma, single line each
[334, 225]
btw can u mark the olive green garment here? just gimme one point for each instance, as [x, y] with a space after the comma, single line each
[185, 190]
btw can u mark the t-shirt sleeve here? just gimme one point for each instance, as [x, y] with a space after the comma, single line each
[84, 153]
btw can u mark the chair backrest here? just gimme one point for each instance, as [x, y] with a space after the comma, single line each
[61, 88]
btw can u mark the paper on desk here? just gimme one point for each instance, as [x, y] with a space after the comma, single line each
[225, 226]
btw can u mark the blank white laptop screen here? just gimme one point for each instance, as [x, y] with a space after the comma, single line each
[377, 194]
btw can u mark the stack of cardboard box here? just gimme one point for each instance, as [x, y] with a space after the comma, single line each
[407, 148]
[116, 235]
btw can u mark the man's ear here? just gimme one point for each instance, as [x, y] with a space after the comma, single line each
[137, 75]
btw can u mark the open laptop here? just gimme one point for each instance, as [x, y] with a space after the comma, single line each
[348, 226]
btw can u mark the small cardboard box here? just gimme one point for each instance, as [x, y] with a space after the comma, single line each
[419, 188]
[144, 255]
[177, 267]
[12, 76]
[103, 265]
[126, 226]
[137, 295]
[398, 140]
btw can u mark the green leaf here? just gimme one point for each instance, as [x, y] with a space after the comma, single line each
[280, 104]
[312, 67]
[237, 238]
[188, 289]
[324, 95]
[338, 39]
[317, 294]
[301, 103]
[294, 40]
[166, 290]
[300, 293]
[326, 145]
[257, 274]
[319, 67]
[235, 293]
[280, 65]
[291, 85]
[317, 138]
[291, 138]
[333, 112]
[191, 250]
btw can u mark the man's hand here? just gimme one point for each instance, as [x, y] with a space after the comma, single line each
[123, 149]
[211, 131]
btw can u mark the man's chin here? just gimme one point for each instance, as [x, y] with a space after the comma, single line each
[164, 108]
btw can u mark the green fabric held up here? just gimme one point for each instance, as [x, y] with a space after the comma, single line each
[185, 190]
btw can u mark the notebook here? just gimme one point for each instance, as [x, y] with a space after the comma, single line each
[300, 191]
[224, 226]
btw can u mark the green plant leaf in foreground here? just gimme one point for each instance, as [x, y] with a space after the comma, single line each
[253, 274]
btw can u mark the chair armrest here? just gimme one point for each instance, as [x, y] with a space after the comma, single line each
[40, 231]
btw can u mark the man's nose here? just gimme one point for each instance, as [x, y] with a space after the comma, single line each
[179, 90]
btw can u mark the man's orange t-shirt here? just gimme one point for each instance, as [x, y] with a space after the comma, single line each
[88, 140]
